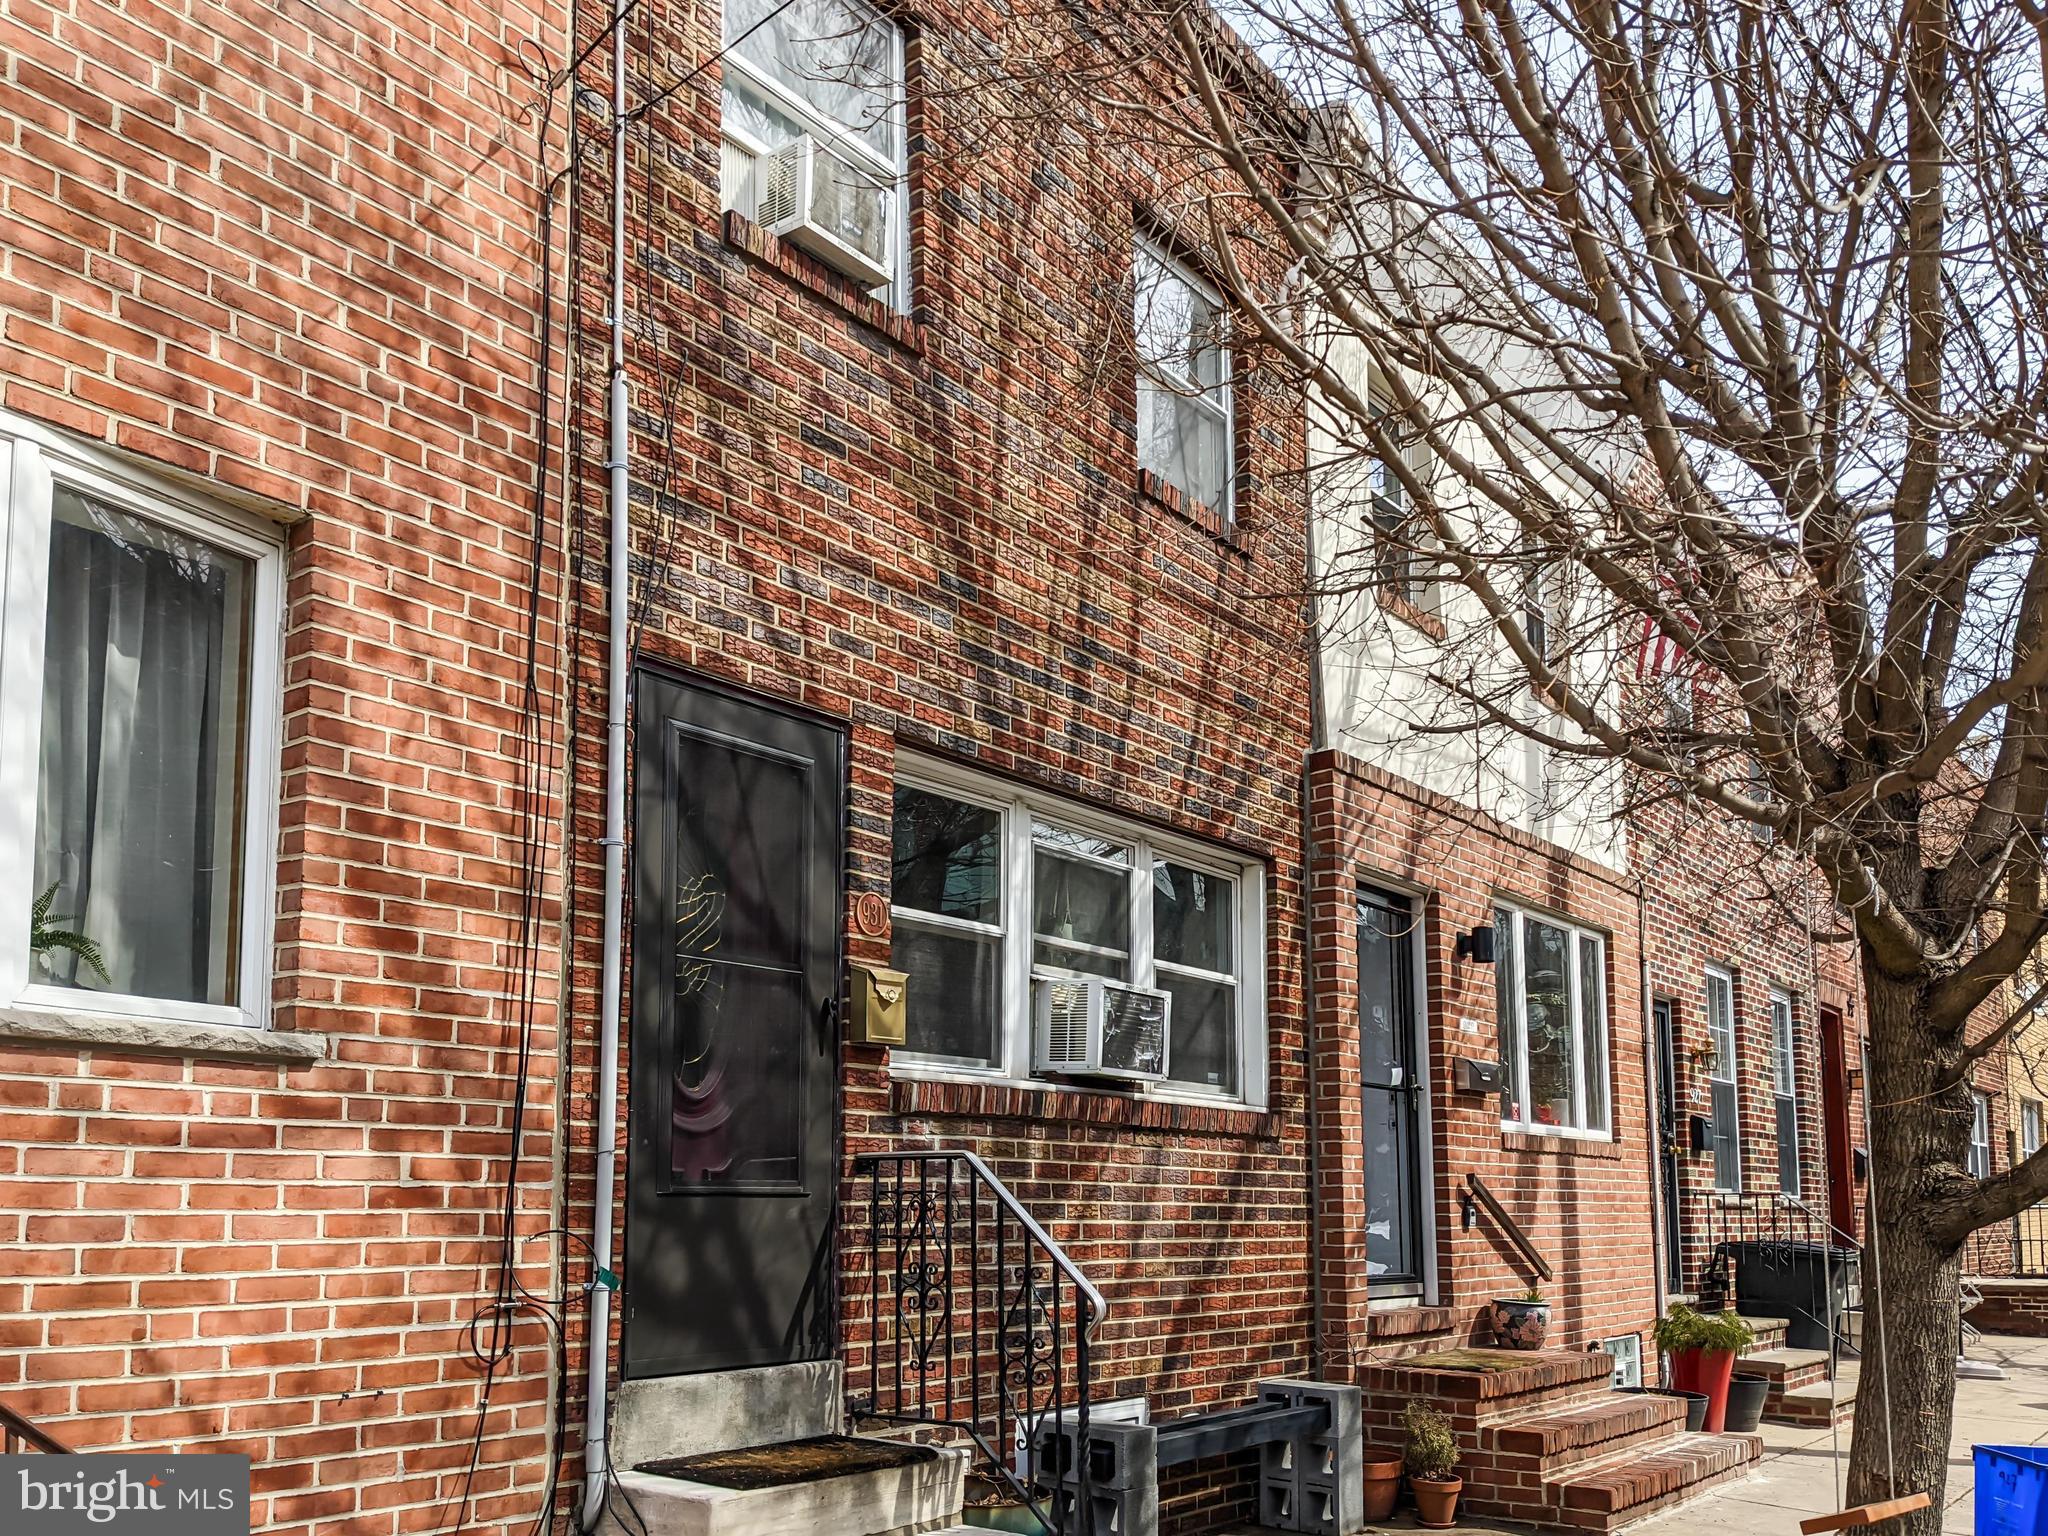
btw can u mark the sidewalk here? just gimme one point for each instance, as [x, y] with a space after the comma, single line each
[1798, 1475]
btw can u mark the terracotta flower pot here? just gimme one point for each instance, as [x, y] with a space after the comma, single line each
[1706, 1371]
[1519, 1324]
[1436, 1503]
[1382, 1486]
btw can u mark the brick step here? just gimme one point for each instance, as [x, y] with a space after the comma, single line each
[1787, 1369]
[1811, 1406]
[1552, 1440]
[1607, 1495]
[1770, 1331]
[1482, 1386]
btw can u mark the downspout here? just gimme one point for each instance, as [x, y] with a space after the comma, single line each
[596, 1452]
[1659, 1263]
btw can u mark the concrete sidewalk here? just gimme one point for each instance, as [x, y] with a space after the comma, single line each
[1799, 1474]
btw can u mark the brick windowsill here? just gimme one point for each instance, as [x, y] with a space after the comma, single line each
[1394, 605]
[1559, 1146]
[743, 234]
[158, 1037]
[1186, 508]
[1010, 1101]
[1409, 1322]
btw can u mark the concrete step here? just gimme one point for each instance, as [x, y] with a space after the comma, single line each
[893, 1501]
[1551, 1441]
[1812, 1406]
[1787, 1369]
[1618, 1491]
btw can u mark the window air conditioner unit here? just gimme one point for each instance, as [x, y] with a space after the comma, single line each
[824, 204]
[1092, 1026]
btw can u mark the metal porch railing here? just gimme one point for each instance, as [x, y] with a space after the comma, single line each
[978, 1321]
[1775, 1252]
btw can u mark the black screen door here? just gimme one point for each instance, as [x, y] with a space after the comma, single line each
[730, 1166]
[1392, 1087]
[1667, 1144]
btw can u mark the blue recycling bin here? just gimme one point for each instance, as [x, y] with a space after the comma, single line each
[2012, 1490]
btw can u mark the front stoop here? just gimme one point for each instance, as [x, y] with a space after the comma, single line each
[1609, 1495]
[1800, 1393]
[895, 1501]
[1547, 1441]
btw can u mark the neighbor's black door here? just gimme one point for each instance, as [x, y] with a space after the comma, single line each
[1667, 1144]
[1392, 1086]
[729, 1171]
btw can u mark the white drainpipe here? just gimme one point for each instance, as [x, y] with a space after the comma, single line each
[596, 1451]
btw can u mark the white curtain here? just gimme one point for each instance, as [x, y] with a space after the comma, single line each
[138, 801]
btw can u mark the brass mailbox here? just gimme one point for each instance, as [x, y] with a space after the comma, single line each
[878, 1005]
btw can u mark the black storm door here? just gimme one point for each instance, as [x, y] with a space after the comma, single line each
[730, 1165]
[1667, 1143]
[1392, 1086]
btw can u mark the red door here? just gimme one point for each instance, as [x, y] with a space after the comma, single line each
[1834, 1118]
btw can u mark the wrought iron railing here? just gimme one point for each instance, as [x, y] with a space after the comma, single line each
[977, 1321]
[19, 1434]
[2030, 1243]
[1775, 1250]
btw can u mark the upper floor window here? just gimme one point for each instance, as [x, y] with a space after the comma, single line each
[997, 889]
[1721, 1077]
[1550, 982]
[1785, 1090]
[1402, 537]
[1980, 1135]
[139, 697]
[2030, 1127]
[1185, 425]
[814, 132]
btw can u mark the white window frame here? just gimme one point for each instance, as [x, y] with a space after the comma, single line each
[1726, 1068]
[34, 462]
[748, 79]
[2030, 1127]
[1221, 400]
[1019, 807]
[1785, 1083]
[1518, 1069]
[1980, 1134]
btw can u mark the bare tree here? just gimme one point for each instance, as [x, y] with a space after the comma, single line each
[1732, 316]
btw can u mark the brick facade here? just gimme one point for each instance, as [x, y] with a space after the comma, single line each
[291, 260]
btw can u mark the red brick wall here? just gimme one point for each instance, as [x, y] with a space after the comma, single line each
[2012, 1306]
[1585, 1204]
[293, 255]
[932, 531]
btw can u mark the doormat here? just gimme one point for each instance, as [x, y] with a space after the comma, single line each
[792, 1461]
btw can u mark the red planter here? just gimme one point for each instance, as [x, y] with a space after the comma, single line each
[1707, 1371]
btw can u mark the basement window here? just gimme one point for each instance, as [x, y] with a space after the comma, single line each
[1550, 980]
[995, 886]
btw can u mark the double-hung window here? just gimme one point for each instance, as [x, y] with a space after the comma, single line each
[1551, 990]
[1184, 394]
[1784, 1090]
[2030, 1127]
[1722, 1067]
[1402, 538]
[996, 887]
[829, 72]
[138, 705]
[1980, 1135]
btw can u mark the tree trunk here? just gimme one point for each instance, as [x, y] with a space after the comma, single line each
[1905, 1394]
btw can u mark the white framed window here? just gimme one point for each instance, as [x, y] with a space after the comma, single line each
[995, 884]
[1721, 1076]
[1550, 981]
[1784, 1090]
[1980, 1135]
[1402, 538]
[1185, 413]
[140, 696]
[832, 71]
[2030, 1127]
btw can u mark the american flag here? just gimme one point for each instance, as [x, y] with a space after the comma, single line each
[1658, 655]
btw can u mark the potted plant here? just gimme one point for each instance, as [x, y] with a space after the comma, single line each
[1521, 1322]
[1702, 1350]
[1382, 1484]
[1432, 1460]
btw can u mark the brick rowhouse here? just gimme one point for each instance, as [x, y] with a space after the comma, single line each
[284, 270]
[925, 528]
